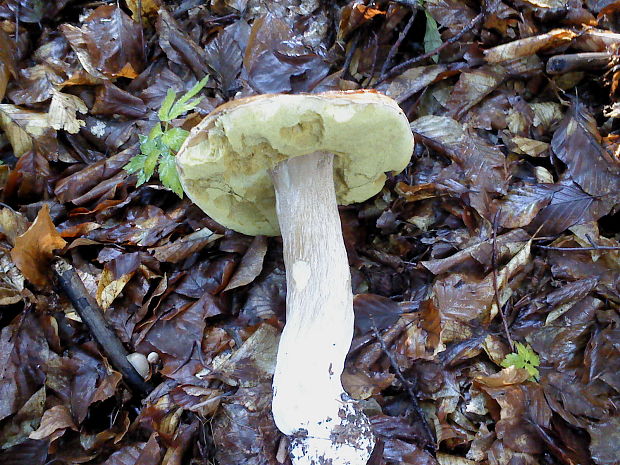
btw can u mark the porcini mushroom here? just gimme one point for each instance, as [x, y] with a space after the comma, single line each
[274, 164]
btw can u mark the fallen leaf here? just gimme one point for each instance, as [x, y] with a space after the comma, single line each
[25, 129]
[7, 61]
[116, 274]
[54, 423]
[62, 112]
[528, 46]
[472, 87]
[577, 143]
[251, 264]
[114, 43]
[34, 249]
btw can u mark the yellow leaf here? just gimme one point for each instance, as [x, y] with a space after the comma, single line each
[62, 112]
[34, 249]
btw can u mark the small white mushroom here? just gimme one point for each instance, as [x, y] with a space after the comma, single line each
[153, 357]
[140, 363]
[275, 164]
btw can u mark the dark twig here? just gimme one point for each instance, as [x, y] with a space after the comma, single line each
[409, 386]
[495, 289]
[410, 63]
[349, 57]
[399, 41]
[92, 316]
[577, 249]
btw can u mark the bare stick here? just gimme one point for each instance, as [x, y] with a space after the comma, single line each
[396, 45]
[409, 63]
[91, 315]
[561, 64]
[577, 249]
[495, 289]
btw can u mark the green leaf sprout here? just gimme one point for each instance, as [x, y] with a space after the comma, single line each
[525, 358]
[158, 149]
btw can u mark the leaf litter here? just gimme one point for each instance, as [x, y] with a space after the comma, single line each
[487, 274]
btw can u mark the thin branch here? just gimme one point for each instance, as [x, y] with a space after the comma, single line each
[349, 56]
[495, 289]
[577, 249]
[91, 315]
[409, 386]
[410, 63]
[399, 41]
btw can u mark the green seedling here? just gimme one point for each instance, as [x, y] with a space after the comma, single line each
[525, 358]
[158, 149]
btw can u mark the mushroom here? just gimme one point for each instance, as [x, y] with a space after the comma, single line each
[281, 164]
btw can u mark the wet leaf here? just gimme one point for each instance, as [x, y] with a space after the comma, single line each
[472, 87]
[225, 55]
[113, 42]
[7, 62]
[577, 143]
[483, 165]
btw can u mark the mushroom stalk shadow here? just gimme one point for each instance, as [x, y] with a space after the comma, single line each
[309, 402]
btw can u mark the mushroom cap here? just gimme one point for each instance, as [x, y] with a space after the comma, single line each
[225, 161]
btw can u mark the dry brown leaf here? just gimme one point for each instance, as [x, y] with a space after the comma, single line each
[528, 46]
[116, 274]
[251, 264]
[506, 377]
[7, 61]
[472, 87]
[12, 224]
[22, 127]
[34, 249]
[62, 112]
[54, 423]
[149, 8]
[530, 147]
[414, 80]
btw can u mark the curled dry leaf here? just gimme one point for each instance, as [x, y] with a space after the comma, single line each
[529, 46]
[116, 274]
[34, 249]
[62, 112]
[472, 87]
[414, 80]
[25, 128]
[251, 264]
[54, 423]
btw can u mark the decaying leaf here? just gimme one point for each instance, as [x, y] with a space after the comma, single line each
[34, 249]
[54, 423]
[577, 143]
[116, 274]
[528, 46]
[25, 128]
[62, 112]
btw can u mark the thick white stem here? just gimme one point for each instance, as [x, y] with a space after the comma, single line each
[309, 402]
